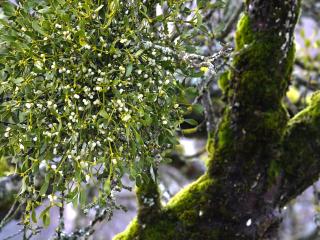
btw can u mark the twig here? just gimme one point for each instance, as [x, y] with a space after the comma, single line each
[194, 60]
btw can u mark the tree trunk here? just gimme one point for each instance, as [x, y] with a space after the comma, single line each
[256, 156]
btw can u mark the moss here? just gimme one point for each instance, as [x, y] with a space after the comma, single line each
[275, 121]
[314, 107]
[163, 229]
[210, 146]
[300, 148]
[252, 127]
[244, 32]
[191, 196]
[222, 145]
[177, 219]
[311, 113]
[262, 73]
[223, 81]
[130, 233]
[315, 99]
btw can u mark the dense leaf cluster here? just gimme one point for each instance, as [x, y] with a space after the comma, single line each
[88, 93]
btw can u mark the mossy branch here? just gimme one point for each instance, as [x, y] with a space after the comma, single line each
[300, 160]
[182, 218]
[254, 121]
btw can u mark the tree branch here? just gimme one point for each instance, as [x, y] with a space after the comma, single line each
[300, 160]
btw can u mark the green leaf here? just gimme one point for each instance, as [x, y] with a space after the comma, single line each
[18, 80]
[138, 137]
[23, 116]
[129, 70]
[36, 27]
[61, 2]
[75, 200]
[45, 216]
[107, 187]
[199, 19]
[197, 74]
[8, 8]
[104, 114]
[138, 180]
[46, 219]
[189, 94]
[82, 197]
[197, 109]
[99, 8]
[44, 10]
[191, 121]
[34, 215]
[24, 185]
[138, 53]
[44, 188]
[128, 134]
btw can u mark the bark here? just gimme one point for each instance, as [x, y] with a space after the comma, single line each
[254, 165]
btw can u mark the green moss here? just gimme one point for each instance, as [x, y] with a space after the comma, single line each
[162, 229]
[314, 106]
[223, 81]
[192, 195]
[253, 125]
[130, 233]
[301, 146]
[210, 145]
[244, 32]
[177, 219]
[315, 99]
[223, 142]
[273, 171]
[311, 113]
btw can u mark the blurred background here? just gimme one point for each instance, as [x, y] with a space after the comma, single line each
[301, 218]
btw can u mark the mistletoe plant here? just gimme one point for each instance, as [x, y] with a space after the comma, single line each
[88, 92]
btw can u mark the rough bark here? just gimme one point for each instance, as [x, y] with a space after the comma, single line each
[253, 167]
